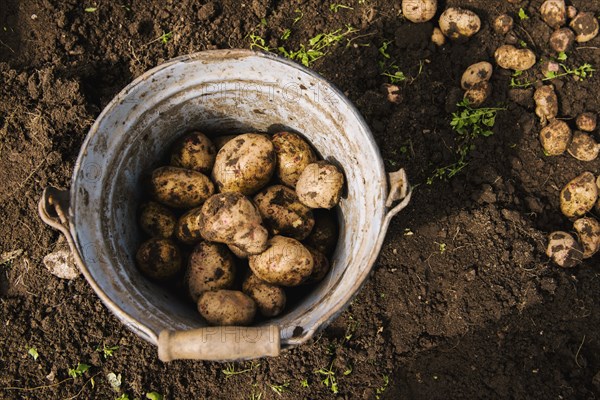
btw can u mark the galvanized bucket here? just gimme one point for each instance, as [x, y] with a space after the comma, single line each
[218, 92]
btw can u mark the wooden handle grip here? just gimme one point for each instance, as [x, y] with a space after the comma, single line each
[219, 343]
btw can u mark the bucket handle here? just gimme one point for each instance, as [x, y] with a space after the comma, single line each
[399, 190]
[223, 343]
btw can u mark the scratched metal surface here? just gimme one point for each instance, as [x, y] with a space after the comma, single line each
[219, 92]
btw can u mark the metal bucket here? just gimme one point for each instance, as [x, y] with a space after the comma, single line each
[218, 92]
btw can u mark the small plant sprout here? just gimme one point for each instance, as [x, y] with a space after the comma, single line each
[469, 123]
[329, 379]
[90, 9]
[380, 390]
[317, 47]
[442, 247]
[256, 395]
[279, 389]
[581, 72]
[522, 14]
[78, 371]
[230, 370]
[154, 396]
[257, 42]
[298, 17]
[517, 82]
[562, 56]
[33, 353]
[336, 7]
[107, 351]
[304, 383]
[124, 396]
[166, 37]
[286, 34]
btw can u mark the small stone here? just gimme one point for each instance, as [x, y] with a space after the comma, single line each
[62, 264]
[393, 93]
[571, 12]
[503, 24]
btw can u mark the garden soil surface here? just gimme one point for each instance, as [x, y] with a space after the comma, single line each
[462, 302]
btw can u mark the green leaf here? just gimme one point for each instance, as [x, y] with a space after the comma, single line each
[90, 9]
[562, 56]
[33, 353]
[154, 396]
[286, 34]
[80, 370]
[522, 14]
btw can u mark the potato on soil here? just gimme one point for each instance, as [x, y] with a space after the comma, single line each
[546, 103]
[245, 164]
[159, 258]
[419, 10]
[188, 227]
[320, 267]
[283, 213]
[437, 37]
[194, 151]
[220, 141]
[459, 23]
[320, 185]
[503, 24]
[226, 307]
[180, 188]
[210, 267]
[476, 73]
[285, 262]
[157, 220]
[555, 137]
[293, 155]
[509, 57]
[324, 235]
[588, 232]
[562, 40]
[554, 13]
[564, 250]
[585, 25]
[586, 121]
[270, 299]
[478, 94]
[231, 218]
[583, 147]
[579, 195]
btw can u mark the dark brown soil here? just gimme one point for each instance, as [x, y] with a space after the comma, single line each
[463, 302]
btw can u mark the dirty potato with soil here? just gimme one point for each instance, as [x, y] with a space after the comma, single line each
[226, 307]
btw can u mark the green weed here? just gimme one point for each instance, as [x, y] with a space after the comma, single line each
[336, 7]
[33, 353]
[380, 390]
[329, 379]
[279, 389]
[78, 371]
[522, 14]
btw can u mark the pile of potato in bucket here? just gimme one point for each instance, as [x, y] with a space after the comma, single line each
[237, 227]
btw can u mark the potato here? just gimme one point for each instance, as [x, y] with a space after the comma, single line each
[392, 92]
[437, 37]
[210, 267]
[231, 218]
[226, 307]
[509, 57]
[579, 195]
[180, 188]
[478, 94]
[555, 137]
[586, 121]
[459, 23]
[564, 250]
[283, 213]
[320, 185]
[548, 67]
[476, 73]
[239, 253]
[562, 40]
[571, 12]
[503, 24]
[157, 220]
[270, 299]
[585, 26]
[324, 235]
[583, 147]
[554, 13]
[546, 103]
[293, 155]
[188, 227]
[419, 10]
[244, 164]
[588, 232]
[285, 262]
[159, 258]
[194, 151]
[320, 267]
